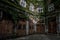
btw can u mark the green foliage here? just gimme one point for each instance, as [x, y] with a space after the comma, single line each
[13, 8]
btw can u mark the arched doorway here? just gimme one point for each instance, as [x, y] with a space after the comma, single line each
[40, 28]
[6, 24]
[52, 26]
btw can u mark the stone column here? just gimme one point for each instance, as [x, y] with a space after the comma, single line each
[47, 26]
[27, 27]
[59, 23]
[35, 27]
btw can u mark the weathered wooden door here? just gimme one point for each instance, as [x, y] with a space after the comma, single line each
[40, 28]
[52, 28]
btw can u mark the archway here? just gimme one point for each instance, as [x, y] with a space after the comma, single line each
[52, 26]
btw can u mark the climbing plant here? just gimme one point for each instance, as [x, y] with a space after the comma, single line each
[13, 8]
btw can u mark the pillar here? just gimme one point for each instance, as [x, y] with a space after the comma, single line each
[27, 27]
[35, 27]
[59, 23]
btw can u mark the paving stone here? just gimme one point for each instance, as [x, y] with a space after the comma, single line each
[38, 37]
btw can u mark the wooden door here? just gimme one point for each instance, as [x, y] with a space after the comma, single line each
[52, 28]
[40, 28]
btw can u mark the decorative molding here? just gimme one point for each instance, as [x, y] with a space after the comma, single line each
[23, 3]
[51, 7]
[31, 7]
[39, 9]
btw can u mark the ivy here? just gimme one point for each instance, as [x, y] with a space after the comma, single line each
[12, 9]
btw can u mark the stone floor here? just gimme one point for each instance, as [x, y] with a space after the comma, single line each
[38, 37]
